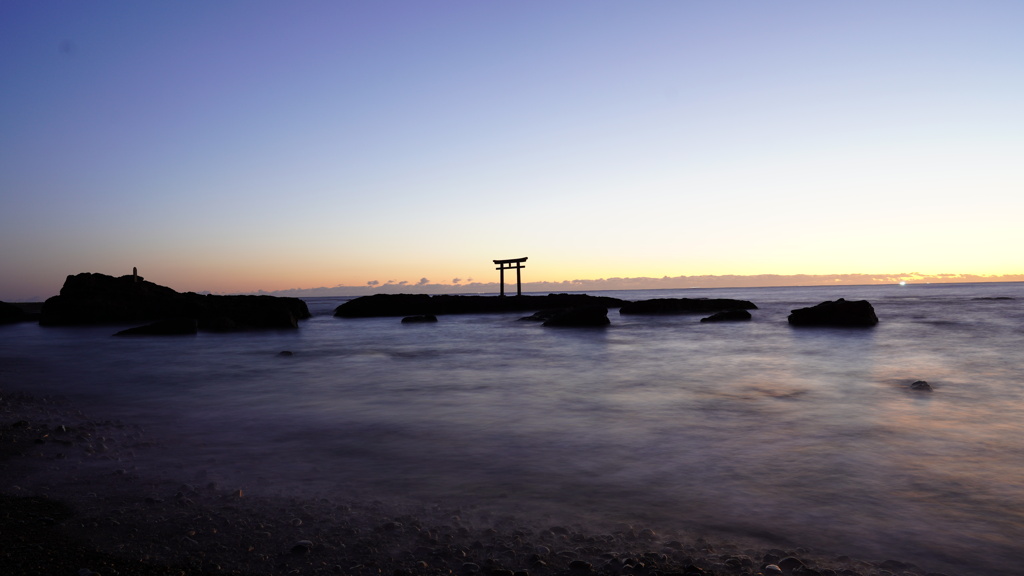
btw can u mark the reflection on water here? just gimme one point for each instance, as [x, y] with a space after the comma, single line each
[808, 434]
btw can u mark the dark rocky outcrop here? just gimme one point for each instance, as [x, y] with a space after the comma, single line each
[584, 316]
[841, 313]
[417, 304]
[419, 319]
[10, 314]
[89, 298]
[921, 385]
[728, 316]
[171, 327]
[684, 305]
[13, 312]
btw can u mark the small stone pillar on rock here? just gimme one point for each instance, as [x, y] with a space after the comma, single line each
[135, 274]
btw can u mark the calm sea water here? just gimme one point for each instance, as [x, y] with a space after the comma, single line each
[755, 428]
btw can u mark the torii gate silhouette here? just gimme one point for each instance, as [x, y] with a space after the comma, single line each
[503, 265]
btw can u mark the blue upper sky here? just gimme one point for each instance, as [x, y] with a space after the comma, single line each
[233, 146]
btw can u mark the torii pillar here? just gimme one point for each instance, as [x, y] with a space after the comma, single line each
[503, 265]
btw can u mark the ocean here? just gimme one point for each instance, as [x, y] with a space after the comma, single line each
[755, 429]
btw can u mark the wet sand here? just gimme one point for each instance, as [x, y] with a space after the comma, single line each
[74, 502]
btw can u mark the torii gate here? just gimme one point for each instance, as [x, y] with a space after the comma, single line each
[516, 263]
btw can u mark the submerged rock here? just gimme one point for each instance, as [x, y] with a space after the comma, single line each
[921, 385]
[728, 316]
[842, 313]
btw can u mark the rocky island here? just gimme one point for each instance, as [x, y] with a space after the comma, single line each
[90, 298]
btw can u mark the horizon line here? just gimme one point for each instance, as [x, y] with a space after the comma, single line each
[648, 283]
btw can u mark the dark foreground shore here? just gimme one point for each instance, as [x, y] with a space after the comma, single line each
[72, 503]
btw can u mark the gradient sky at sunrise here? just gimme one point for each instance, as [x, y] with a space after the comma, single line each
[235, 146]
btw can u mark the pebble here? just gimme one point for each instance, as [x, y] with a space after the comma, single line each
[580, 566]
[302, 547]
[790, 563]
[772, 569]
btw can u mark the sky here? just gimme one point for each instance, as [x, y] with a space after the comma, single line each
[235, 146]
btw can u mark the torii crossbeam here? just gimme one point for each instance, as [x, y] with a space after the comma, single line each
[503, 265]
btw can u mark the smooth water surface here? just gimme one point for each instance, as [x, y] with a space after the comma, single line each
[811, 434]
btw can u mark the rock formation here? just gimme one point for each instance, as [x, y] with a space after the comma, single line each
[684, 305]
[417, 304]
[89, 298]
[10, 314]
[842, 313]
[584, 316]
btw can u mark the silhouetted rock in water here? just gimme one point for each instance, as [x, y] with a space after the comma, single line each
[585, 316]
[684, 305]
[921, 385]
[10, 314]
[100, 299]
[728, 316]
[419, 319]
[171, 327]
[993, 298]
[843, 313]
[416, 304]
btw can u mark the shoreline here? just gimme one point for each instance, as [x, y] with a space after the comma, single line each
[72, 495]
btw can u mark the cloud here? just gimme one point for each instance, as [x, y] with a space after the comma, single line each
[456, 280]
[403, 282]
[373, 283]
[423, 282]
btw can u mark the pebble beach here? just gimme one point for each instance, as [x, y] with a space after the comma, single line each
[74, 503]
